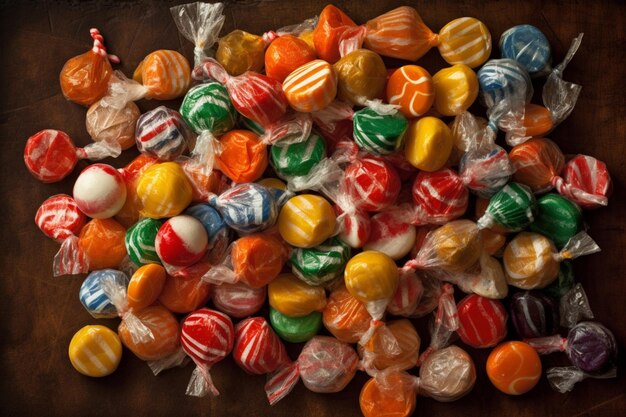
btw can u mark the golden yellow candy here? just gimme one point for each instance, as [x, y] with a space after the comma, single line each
[95, 351]
[465, 41]
[428, 144]
[306, 220]
[456, 88]
[308, 38]
[272, 183]
[241, 51]
[408, 342]
[457, 245]
[371, 276]
[361, 75]
[163, 191]
[293, 297]
[530, 262]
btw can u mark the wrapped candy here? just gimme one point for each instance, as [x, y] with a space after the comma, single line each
[112, 125]
[534, 314]
[563, 283]
[379, 129]
[513, 208]
[207, 336]
[411, 87]
[246, 208]
[145, 286]
[240, 51]
[376, 352]
[162, 75]
[428, 144]
[390, 235]
[238, 300]
[292, 297]
[140, 241]
[585, 181]
[558, 219]
[482, 321]
[408, 294]
[488, 282]
[215, 227]
[181, 241]
[514, 367]
[361, 76]
[100, 191]
[85, 78]
[537, 163]
[257, 349]
[95, 351]
[439, 197]
[354, 224]
[372, 184]
[311, 87]
[455, 89]
[162, 133]
[321, 264]
[532, 261]
[286, 53]
[329, 31]
[243, 157]
[528, 46]
[306, 221]
[93, 296]
[344, 316]
[163, 190]
[278, 189]
[295, 329]
[504, 79]
[325, 365]
[186, 292]
[298, 159]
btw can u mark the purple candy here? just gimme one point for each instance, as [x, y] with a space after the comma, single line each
[591, 347]
[534, 314]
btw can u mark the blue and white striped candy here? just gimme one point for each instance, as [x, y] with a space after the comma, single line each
[502, 78]
[210, 219]
[247, 208]
[528, 46]
[92, 296]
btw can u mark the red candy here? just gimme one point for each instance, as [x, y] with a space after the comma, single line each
[440, 196]
[59, 217]
[391, 235]
[354, 226]
[181, 241]
[50, 155]
[258, 350]
[586, 181]
[239, 300]
[372, 183]
[407, 296]
[482, 322]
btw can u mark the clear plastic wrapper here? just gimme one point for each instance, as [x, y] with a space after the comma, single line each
[111, 125]
[574, 307]
[238, 300]
[586, 181]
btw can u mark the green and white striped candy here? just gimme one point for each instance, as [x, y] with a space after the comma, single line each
[513, 207]
[557, 218]
[140, 242]
[379, 134]
[321, 264]
[298, 159]
[208, 107]
[295, 329]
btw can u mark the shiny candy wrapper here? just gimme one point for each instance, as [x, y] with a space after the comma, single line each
[534, 314]
[558, 219]
[93, 296]
[306, 220]
[321, 264]
[243, 157]
[311, 87]
[361, 76]
[329, 31]
[586, 181]
[285, 54]
[162, 133]
[238, 300]
[344, 316]
[59, 218]
[258, 350]
[292, 297]
[112, 125]
[513, 208]
[186, 292]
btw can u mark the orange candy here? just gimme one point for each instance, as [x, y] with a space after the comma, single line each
[411, 87]
[285, 54]
[408, 342]
[102, 240]
[165, 332]
[243, 157]
[258, 259]
[330, 27]
[184, 294]
[391, 396]
[145, 286]
[166, 74]
[345, 317]
[201, 183]
[537, 120]
[537, 162]
[514, 367]
[311, 87]
[492, 241]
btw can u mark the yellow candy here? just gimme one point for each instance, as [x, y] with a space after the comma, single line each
[456, 88]
[306, 220]
[530, 262]
[241, 51]
[95, 351]
[273, 183]
[457, 245]
[293, 297]
[361, 75]
[465, 41]
[308, 38]
[371, 276]
[163, 191]
[428, 144]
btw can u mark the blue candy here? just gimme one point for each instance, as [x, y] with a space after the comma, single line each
[93, 297]
[528, 46]
[210, 219]
[502, 78]
[247, 208]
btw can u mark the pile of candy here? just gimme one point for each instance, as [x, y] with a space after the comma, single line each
[337, 189]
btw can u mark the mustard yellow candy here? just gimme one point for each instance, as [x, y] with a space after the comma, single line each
[361, 75]
[530, 261]
[306, 220]
[95, 351]
[371, 276]
[241, 51]
[456, 88]
[163, 191]
[465, 40]
[295, 298]
[308, 38]
[457, 245]
[428, 144]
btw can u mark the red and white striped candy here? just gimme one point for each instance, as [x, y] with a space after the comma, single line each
[354, 227]
[258, 350]
[100, 191]
[391, 235]
[586, 181]
[372, 183]
[482, 321]
[59, 217]
[181, 241]
[50, 155]
[440, 196]
[407, 296]
[99, 48]
[238, 299]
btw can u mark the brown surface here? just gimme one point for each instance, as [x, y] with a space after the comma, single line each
[39, 313]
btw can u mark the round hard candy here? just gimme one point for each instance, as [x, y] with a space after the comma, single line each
[534, 314]
[361, 76]
[84, 78]
[239, 300]
[112, 125]
[537, 120]
[354, 226]
[165, 73]
[482, 322]
[285, 54]
[513, 208]
[408, 343]
[208, 106]
[181, 241]
[210, 219]
[485, 170]
[95, 351]
[240, 51]
[186, 293]
[447, 374]
[537, 162]
[94, 298]
[455, 247]
[243, 157]
[371, 276]
[100, 191]
[258, 259]
[392, 395]
[140, 240]
[465, 41]
[456, 89]
[586, 182]
[528, 46]
[344, 316]
[129, 213]
[311, 87]
[557, 218]
[591, 346]
[50, 155]
[102, 241]
[247, 208]
[295, 329]
[294, 298]
[59, 217]
[298, 159]
[529, 261]
[373, 184]
[328, 33]
[500, 78]
[514, 367]
[411, 88]
[165, 332]
[258, 350]
[327, 365]
[306, 221]
[428, 144]
[207, 336]
[163, 190]
[145, 286]
[162, 133]
[378, 134]
[320, 264]
[441, 195]
[390, 235]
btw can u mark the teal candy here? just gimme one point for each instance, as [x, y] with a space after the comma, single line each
[140, 242]
[295, 329]
[321, 264]
[379, 134]
[208, 107]
[563, 283]
[557, 218]
[513, 207]
[298, 159]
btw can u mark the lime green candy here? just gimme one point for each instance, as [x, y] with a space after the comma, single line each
[295, 329]
[207, 107]
[513, 207]
[298, 159]
[563, 283]
[378, 134]
[322, 263]
[140, 240]
[557, 218]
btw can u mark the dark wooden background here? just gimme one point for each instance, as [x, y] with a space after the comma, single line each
[39, 313]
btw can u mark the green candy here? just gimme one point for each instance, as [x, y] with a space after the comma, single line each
[321, 264]
[557, 218]
[563, 283]
[208, 107]
[298, 159]
[295, 329]
[513, 207]
[140, 242]
[379, 134]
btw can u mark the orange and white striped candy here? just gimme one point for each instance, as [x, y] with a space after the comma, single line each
[166, 74]
[411, 87]
[311, 87]
[408, 343]
[465, 40]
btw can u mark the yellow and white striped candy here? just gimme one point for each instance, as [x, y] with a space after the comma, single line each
[530, 262]
[465, 41]
[95, 351]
